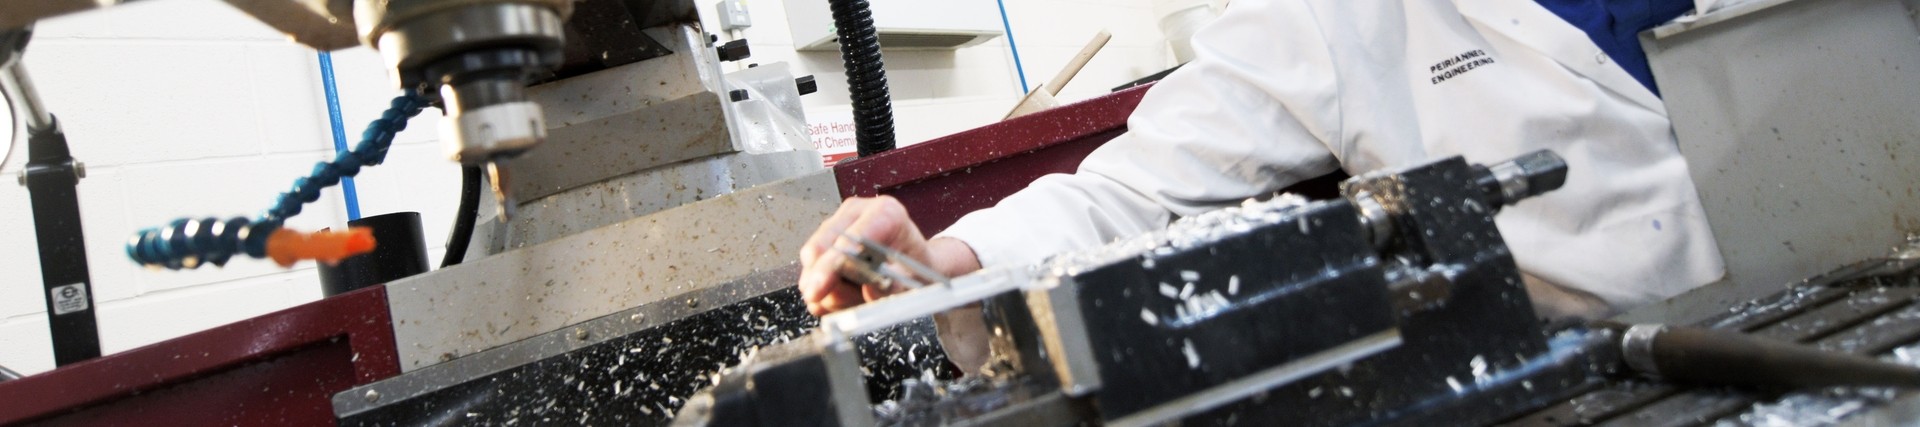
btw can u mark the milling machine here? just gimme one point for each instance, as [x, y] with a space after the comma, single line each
[624, 283]
[627, 167]
[609, 110]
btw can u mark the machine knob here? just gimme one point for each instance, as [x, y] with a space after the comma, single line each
[734, 50]
[806, 84]
[1526, 176]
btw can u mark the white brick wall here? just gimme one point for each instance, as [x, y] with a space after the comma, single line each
[187, 107]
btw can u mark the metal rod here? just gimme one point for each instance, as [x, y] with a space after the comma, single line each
[25, 101]
[16, 131]
[1705, 356]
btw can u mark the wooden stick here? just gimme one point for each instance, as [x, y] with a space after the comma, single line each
[1079, 61]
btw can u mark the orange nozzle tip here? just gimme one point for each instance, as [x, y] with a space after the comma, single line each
[287, 247]
[359, 241]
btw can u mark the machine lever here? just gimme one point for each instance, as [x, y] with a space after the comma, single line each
[1706, 356]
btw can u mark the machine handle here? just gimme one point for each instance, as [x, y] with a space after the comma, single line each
[1522, 177]
[1705, 356]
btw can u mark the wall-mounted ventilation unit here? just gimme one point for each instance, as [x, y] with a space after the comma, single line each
[903, 24]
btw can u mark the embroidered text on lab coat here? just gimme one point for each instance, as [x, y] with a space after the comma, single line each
[1459, 64]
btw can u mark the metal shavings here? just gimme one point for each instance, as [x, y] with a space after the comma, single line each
[1825, 406]
[642, 378]
[1479, 366]
[1818, 407]
[931, 401]
[1198, 306]
[1185, 233]
[1193, 357]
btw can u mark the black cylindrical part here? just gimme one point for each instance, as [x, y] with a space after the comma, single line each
[1704, 356]
[866, 76]
[1529, 175]
[400, 250]
[1545, 171]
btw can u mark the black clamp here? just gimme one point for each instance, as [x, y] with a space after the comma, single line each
[734, 50]
[56, 169]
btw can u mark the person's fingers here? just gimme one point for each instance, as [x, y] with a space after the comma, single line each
[882, 220]
[829, 230]
[832, 292]
[885, 222]
[820, 277]
[873, 292]
[841, 298]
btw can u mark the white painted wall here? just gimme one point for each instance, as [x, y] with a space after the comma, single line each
[187, 107]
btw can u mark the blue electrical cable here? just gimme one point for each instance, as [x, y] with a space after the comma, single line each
[189, 242]
[347, 189]
[1017, 68]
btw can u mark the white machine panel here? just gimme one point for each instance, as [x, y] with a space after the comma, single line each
[903, 24]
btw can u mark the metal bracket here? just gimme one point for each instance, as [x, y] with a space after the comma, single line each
[51, 178]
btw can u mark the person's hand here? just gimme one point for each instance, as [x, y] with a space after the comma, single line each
[880, 219]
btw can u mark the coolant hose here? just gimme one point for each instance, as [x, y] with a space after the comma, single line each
[463, 217]
[866, 76]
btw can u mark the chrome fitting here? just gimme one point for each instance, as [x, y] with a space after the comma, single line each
[1636, 347]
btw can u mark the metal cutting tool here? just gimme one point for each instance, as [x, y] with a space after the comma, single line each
[869, 265]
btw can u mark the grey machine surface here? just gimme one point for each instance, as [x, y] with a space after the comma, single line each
[1800, 121]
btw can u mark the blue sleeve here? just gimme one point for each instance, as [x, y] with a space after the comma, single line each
[1615, 26]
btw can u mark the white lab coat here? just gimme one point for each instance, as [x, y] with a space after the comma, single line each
[1284, 90]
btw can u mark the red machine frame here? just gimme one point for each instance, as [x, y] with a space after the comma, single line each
[281, 368]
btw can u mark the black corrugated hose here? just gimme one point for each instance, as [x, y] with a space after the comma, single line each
[462, 234]
[866, 76]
